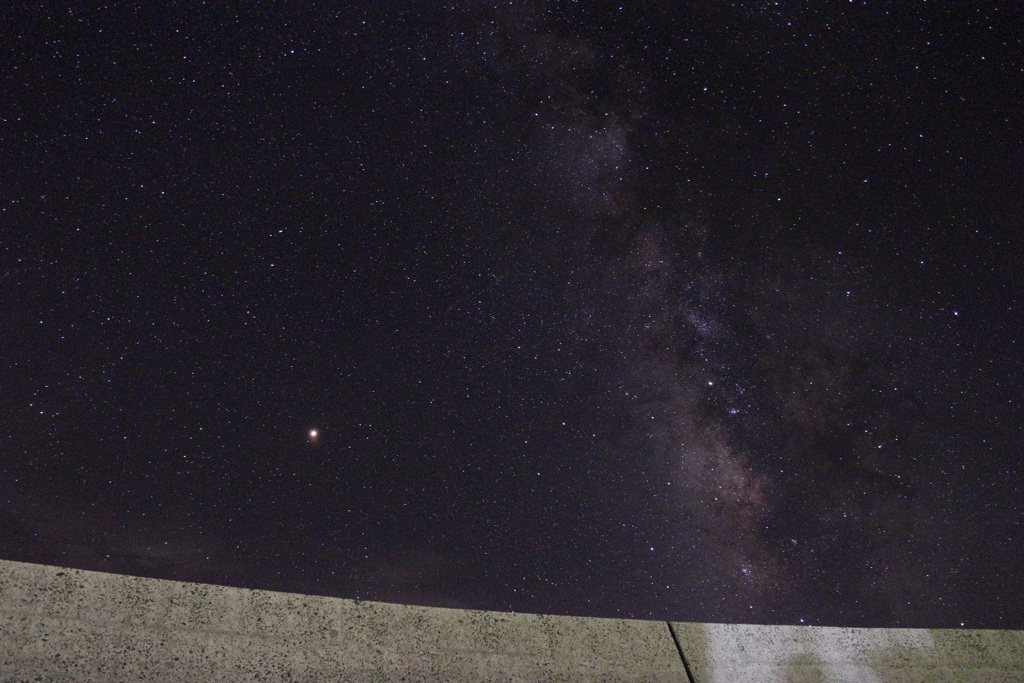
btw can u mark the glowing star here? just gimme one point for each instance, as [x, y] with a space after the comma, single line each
[313, 434]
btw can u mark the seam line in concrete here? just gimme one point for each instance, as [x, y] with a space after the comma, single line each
[679, 649]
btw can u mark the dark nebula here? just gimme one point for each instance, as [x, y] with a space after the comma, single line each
[691, 310]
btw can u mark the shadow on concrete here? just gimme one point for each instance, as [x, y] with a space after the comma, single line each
[692, 644]
[805, 668]
[696, 644]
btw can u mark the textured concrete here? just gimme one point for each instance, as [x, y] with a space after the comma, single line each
[63, 624]
[736, 653]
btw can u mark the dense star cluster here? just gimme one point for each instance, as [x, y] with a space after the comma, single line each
[694, 310]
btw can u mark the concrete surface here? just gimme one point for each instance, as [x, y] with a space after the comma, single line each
[737, 653]
[60, 624]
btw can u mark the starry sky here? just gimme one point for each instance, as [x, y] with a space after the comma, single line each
[706, 311]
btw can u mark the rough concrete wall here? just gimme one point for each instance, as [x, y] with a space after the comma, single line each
[736, 653]
[63, 624]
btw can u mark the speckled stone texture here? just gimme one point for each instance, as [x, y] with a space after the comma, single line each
[735, 653]
[61, 624]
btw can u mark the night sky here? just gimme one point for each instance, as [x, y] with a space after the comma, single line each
[706, 311]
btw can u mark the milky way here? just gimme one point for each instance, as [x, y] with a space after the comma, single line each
[687, 311]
